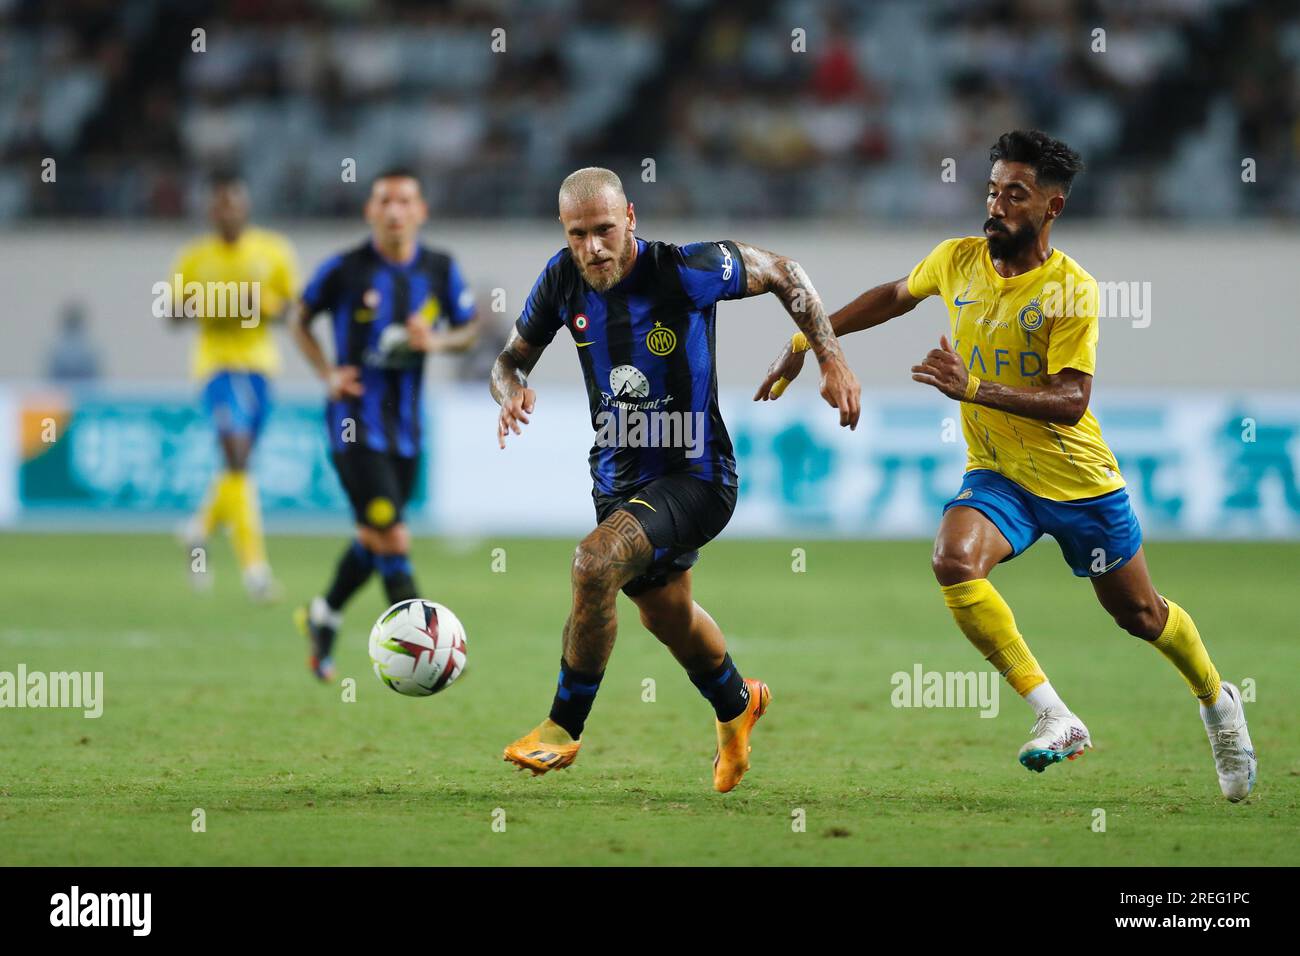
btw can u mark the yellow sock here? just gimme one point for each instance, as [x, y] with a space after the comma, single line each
[212, 513]
[986, 620]
[245, 516]
[1181, 643]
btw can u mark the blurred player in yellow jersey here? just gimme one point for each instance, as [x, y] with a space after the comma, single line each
[1023, 319]
[255, 274]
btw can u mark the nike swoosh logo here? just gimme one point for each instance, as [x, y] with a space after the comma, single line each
[640, 502]
[1109, 566]
[583, 344]
[957, 301]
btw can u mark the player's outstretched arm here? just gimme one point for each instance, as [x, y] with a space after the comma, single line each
[461, 338]
[1063, 399]
[874, 307]
[786, 279]
[509, 384]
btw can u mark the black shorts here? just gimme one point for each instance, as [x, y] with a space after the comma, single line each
[377, 484]
[680, 514]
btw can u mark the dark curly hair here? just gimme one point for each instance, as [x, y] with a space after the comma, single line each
[1054, 163]
[397, 172]
[224, 177]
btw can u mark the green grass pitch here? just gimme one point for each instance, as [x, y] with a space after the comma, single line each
[208, 704]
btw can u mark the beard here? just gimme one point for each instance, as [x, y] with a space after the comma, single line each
[606, 279]
[1004, 243]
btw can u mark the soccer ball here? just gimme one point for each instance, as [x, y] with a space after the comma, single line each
[418, 647]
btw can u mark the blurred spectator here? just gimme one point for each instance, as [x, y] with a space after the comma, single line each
[74, 358]
[743, 120]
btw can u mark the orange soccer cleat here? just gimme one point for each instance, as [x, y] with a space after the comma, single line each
[530, 753]
[732, 757]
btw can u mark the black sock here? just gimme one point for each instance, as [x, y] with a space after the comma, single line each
[574, 695]
[353, 571]
[396, 572]
[724, 688]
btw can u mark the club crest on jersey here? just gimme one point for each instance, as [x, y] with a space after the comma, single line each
[660, 341]
[580, 322]
[1031, 316]
[370, 298]
[430, 310]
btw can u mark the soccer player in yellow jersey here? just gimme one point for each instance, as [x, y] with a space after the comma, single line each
[1023, 319]
[255, 275]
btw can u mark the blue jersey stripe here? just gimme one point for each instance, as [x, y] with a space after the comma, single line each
[703, 386]
[405, 410]
[602, 364]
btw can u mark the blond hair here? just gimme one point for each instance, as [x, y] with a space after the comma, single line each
[589, 183]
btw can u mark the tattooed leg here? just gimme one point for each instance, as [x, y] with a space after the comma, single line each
[609, 557]
[616, 552]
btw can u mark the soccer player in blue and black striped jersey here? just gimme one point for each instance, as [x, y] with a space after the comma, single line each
[641, 315]
[387, 298]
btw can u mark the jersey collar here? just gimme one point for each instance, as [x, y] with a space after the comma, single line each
[389, 262]
[1016, 281]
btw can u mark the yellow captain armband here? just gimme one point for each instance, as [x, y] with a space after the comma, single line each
[972, 386]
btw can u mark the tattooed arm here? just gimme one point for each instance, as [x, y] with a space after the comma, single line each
[787, 280]
[874, 307]
[783, 277]
[509, 384]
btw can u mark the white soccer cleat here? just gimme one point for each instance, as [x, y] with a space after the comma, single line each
[1234, 755]
[1057, 735]
[260, 586]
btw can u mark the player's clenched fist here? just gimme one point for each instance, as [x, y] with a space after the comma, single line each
[514, 410]
[944, 369]
[345, 382]
[419, 336]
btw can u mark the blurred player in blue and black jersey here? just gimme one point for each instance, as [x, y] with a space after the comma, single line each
[386, 297]
[641, 315]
